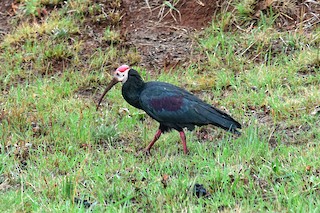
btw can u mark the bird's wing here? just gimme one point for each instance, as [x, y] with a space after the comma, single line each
[165, 102]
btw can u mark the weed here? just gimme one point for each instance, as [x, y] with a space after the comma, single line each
[171, 8]
[31, 7]
[245, 9]
[111, 35]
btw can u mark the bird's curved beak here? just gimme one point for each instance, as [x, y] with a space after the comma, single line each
[113, 82]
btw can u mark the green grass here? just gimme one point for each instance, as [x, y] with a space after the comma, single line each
[55, 147]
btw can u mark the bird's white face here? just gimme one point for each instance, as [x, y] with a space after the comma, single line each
[121, 74]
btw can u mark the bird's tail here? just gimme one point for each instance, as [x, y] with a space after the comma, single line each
[221, 119]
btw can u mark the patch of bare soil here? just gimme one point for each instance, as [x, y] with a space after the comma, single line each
[163, 35]
[291, 15]
[6, 9]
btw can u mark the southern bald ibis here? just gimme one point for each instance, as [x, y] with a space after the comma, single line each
[173, 107]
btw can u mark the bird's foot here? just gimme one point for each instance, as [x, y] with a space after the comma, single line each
[143, 152]
[186, 151]
[147, 152]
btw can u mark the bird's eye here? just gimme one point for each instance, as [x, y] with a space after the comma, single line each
[118, 74]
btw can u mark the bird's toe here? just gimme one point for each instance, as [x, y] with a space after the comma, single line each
[147, 152]
[186, 152]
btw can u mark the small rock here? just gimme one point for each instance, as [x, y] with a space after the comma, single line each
[85, 202]
[315, 111]
[199, 190]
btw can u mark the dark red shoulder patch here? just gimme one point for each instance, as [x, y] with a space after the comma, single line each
[169, 103]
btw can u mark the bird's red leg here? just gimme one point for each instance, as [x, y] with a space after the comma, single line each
[156, 137]
[184, 142]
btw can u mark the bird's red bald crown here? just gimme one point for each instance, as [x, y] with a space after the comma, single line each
[123, 68]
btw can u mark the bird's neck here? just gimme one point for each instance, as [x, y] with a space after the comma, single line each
[132, 88]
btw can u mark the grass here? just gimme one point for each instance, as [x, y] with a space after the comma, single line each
[59, 154]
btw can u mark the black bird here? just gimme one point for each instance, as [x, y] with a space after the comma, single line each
[173, 107]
